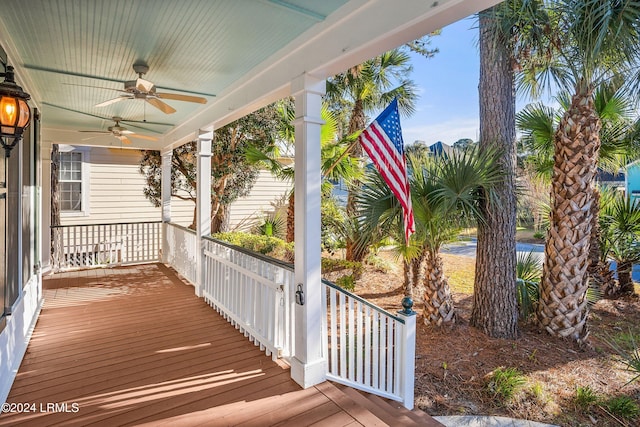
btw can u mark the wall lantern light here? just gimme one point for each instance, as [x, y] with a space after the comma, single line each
[15, 114]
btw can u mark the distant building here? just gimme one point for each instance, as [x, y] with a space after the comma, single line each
[441, 149]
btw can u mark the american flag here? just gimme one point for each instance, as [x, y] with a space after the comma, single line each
[382, 140]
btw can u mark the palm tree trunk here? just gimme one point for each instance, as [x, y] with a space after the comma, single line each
[624, 270]
[562, 310]
[599, 269]
[408, 278]
[291, 218]
[357, 122]
[438, 303]
[495, 310]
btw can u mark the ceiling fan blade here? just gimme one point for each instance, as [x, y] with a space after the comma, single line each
[149, 138]
[96, 87]
[94, 131]
[180, 97]
[144, 85]
[127, 132]
[113, 101]
[165, 108]
[124, 139]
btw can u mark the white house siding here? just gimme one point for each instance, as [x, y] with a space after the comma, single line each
[116, 194]
[267, 191]
[116, 191]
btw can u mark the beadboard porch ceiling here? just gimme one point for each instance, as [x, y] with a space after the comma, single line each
[238, 55]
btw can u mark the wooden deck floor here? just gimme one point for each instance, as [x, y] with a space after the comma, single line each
[134, 346]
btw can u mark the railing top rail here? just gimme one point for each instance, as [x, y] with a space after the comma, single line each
[107, 223]
[289, 266]
[279, 263]
[182, 227]
[363, 301]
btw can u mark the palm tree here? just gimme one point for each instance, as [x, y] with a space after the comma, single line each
[367, 88]
[445, 194]
[337, 165]
[620, 224]
[596, 40]
[619, 145]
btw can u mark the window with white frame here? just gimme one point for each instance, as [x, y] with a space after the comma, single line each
[73, 177]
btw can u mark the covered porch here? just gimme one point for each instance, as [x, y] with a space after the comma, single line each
[134, 345]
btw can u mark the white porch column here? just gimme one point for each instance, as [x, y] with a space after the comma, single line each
[309, 365]
[203, 201]
[166, 200]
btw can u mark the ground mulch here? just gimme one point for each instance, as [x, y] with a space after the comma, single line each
[453, 363]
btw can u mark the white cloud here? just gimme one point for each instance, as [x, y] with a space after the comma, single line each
[448, 131]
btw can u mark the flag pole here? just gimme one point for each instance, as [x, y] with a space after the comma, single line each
[342, 156]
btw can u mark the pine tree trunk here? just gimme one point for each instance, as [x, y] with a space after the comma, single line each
[495, 310]
[562, 309]
[438, 303]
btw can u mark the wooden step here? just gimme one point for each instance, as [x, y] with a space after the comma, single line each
[391, 412]
[420, 417]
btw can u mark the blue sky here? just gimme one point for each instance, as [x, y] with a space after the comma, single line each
[448, 86]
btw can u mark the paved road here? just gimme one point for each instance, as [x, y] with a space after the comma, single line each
[468, 248]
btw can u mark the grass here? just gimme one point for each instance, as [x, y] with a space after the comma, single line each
[585, 397]
[623, 407]
[506, 383]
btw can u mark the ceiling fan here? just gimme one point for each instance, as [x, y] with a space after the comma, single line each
[146, 90]
[121, 132]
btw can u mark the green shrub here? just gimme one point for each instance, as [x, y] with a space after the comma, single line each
[273, 224]
[623, 406]
[269, 246]
[586, 397]
[506, 383]
[540, 234]
[626, 346]
[346, 282]
[350, 272]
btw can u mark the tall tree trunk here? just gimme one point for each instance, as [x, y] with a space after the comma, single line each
[291, 218]
[220, 221]
[495, 310]
[357, 122]
[438, 303]
[56, 233]
[563, 309]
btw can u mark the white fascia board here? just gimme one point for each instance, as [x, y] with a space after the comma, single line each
[356, 32]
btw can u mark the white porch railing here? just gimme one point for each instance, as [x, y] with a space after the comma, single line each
[77, 246]
[253, 293]
[181, 246]
[366, 347]
[369, 348]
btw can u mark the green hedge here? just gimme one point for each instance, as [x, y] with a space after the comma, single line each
[266, 245]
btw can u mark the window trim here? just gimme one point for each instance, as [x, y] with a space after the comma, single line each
[85, 184]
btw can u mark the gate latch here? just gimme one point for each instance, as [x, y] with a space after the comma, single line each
[299, 295]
